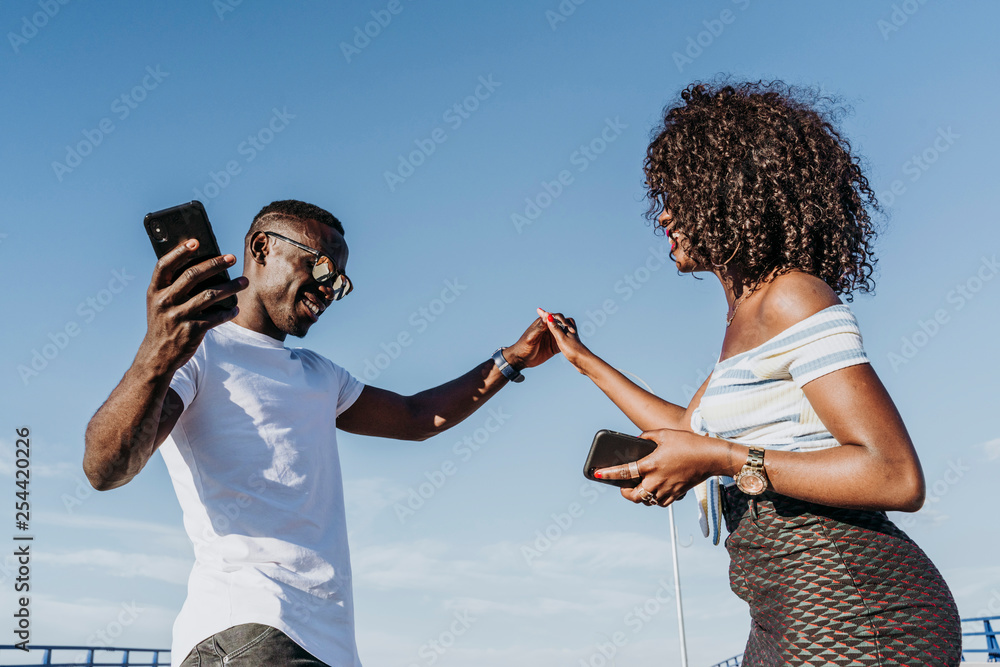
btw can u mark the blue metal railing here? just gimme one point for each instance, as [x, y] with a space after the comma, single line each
[85, 656]
[732, 662]
[158, 659]
[992, 649]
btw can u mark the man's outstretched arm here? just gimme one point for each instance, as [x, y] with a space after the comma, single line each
[386, 414]
[142, 410]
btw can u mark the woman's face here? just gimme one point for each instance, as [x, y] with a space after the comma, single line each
[679, 242]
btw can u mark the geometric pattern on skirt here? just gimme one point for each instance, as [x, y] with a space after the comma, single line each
[830, 586]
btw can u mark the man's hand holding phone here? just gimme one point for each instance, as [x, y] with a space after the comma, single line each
[178, 315]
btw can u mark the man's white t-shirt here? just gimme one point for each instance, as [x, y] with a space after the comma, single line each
[254, 462]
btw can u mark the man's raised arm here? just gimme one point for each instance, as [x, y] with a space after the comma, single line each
[386, 414]
[142, 410]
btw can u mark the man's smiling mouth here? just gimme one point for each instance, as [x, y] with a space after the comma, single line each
[313, 305]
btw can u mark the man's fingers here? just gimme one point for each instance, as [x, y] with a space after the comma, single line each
[166, 266]
[204, 300]
[185, 283]
[216, 317]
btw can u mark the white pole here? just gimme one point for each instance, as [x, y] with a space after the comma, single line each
[677, 588]
[673, 547]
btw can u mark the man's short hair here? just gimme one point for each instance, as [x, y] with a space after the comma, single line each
[292, 211]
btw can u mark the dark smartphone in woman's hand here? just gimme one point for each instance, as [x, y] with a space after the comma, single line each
[172, 226]
[611, 448]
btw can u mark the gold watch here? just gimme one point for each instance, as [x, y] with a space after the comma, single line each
[752, 478]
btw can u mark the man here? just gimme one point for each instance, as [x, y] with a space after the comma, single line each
[248, 428]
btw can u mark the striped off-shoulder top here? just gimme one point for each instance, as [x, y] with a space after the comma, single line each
[755, 397]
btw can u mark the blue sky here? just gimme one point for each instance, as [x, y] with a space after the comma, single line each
[145, 106]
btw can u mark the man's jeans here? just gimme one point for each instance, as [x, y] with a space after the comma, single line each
[250, 645]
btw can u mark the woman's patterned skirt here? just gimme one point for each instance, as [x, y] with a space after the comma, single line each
[830, 586]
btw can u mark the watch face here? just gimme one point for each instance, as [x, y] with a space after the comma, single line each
[751, 483]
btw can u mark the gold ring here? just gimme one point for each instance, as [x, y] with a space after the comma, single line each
[633, 469]
[646, 496]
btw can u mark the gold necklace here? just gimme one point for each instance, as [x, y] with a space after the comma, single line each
[736, 304]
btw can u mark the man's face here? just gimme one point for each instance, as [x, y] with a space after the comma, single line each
[292, 298]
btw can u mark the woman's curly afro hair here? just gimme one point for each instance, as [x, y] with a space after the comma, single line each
[757, 175]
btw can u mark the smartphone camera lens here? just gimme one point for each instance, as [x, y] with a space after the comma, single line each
[159, 234]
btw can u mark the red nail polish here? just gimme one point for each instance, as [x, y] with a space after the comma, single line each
[550, 318]
[597, 474]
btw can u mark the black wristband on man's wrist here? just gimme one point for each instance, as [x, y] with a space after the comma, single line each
[504, 366]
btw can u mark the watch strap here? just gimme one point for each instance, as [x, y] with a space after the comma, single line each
[752, 477]
[505, 368]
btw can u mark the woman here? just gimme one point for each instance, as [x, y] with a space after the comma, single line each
[755, 186]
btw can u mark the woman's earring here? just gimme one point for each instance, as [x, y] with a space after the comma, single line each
[738, 243]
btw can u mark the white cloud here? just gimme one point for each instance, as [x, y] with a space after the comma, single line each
[972, 582]
[992, 449]
[426, 565]
[163, 533]
[84, 621]
[151, 566]
[430, 564]
[38, 468]
[584, 574]
[534, 607]
[927, 517]
[365, 498]
[379, 648]
[622, 552]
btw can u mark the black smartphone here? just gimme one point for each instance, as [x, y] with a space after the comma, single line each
[172, 226]
[611, 448]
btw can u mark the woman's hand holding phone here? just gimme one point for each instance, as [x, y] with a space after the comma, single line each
[681, 461]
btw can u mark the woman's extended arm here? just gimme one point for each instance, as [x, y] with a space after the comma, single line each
[646, 410]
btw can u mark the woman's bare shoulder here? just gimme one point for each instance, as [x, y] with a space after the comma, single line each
[792, 297]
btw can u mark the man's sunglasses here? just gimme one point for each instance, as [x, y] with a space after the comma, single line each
[324, 270]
